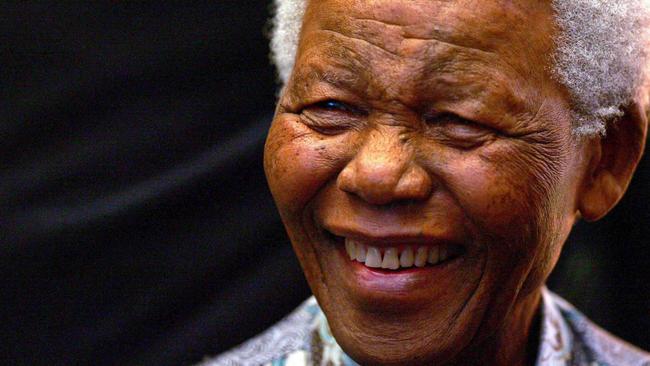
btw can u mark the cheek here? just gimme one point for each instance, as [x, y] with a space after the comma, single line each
[298, 162]
[505, 194]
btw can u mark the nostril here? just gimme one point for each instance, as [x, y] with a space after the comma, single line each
[371, 186]
[415, 184]
[345, 180]
[379, 188]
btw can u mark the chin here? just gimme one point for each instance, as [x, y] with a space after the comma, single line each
[410, 315]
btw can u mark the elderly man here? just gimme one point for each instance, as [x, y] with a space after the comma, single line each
[429, 159]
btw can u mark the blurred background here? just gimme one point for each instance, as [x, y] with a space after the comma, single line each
[136, 227]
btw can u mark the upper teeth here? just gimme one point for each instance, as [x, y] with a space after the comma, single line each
[394, 258]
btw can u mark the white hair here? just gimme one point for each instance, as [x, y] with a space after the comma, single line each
[601, 54]
[601, 57]
[286, 23]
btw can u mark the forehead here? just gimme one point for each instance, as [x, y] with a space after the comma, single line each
[506, 44]
[396, 25]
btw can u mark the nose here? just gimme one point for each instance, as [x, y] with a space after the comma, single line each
[384, 170]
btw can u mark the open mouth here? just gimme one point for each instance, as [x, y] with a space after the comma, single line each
[396, 256]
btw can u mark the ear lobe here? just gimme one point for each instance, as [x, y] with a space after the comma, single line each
[615, 162]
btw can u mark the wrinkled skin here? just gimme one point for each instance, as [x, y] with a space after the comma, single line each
[436, 121]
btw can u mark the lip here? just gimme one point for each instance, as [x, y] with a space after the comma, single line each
[403, 280]
[381, 237]
[402, 289]
[388, 288]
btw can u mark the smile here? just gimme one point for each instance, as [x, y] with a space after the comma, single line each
[385, 267]
[395, 257]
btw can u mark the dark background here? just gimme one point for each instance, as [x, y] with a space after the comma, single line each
[135, 222]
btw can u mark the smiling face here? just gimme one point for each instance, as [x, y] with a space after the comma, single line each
[427, 138]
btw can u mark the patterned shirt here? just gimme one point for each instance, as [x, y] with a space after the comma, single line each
[303, 338]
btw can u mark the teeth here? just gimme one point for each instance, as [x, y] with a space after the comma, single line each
[373, 259]
[361, 253]
[434, 255]
[390, 259]
[421, 257]
[444, 253]
[351, 248]
[393, 259]
[406, 259]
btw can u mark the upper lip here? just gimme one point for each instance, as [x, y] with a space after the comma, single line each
[379, 236]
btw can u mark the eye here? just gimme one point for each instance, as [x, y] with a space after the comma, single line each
[335, 105]
[458, 131]
[331, 117]
[331, 105]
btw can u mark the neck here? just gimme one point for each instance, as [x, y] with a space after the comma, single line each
[515, 343]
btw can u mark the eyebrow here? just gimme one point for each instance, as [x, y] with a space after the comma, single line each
[345, 76]
[344, 68]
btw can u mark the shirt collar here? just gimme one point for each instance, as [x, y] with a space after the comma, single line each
[556, 339]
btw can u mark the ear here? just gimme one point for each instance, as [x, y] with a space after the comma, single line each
[613, 163]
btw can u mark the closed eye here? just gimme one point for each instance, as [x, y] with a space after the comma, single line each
[458, 131]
